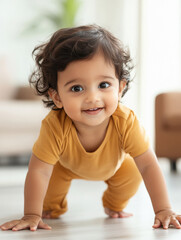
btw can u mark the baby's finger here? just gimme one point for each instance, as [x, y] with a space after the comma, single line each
[43, 225]
[21, 226]
[157, 223]
[9, 225]
[175, 223]
[33, 227]
[166, 223]
[178, 217]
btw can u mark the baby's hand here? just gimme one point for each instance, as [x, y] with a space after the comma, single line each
[31, 222]
[166, 218]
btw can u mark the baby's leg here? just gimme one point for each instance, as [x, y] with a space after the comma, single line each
[55, 202]
[121, 187]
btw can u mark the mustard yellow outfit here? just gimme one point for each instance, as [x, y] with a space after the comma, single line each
[112, 162]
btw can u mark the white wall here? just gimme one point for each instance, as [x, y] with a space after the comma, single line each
[160, 54]
[16, 47]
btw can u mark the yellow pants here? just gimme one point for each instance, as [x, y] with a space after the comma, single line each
[121, 187]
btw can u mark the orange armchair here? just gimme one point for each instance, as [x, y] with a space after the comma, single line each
[168, 127]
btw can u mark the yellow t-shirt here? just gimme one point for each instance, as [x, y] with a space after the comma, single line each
[58, 141]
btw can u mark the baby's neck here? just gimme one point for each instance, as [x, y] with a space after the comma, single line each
[84, 130]
[92, 137]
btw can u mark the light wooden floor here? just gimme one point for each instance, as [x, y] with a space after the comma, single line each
[85, 218]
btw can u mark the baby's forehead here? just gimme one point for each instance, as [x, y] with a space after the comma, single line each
[87, 70]
[98, 55]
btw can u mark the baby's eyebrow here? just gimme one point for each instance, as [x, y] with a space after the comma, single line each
[70, 82]
[107, 76]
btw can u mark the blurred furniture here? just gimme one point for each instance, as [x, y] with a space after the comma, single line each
[21, 112]
[168, 127]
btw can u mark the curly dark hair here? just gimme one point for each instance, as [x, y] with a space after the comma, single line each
[72, 44]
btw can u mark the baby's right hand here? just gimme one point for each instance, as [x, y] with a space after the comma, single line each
[31, 222]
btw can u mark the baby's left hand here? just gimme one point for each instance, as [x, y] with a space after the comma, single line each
[166, 218]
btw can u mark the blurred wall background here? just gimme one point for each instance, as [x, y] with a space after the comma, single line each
[151, 29]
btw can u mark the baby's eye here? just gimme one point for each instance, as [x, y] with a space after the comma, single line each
[76, 88]
[104, 85]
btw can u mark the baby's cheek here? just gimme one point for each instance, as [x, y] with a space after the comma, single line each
[112, 103]
[69, 109]
[113, 98]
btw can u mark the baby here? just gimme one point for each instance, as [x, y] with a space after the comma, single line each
[83, 72]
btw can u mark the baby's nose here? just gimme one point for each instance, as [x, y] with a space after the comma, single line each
[92, 96]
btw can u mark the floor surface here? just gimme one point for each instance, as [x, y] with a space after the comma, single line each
[85, 218]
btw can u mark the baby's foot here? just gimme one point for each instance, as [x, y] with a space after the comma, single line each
[47, 215]
[114, 214]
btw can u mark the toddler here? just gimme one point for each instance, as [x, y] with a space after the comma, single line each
[83, 72]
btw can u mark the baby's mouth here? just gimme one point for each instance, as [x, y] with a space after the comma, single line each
[93, 111]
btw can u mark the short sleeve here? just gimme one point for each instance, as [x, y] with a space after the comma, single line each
[134, 139]
[47, 146]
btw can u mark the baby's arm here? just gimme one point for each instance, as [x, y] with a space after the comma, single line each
[148, 166]
[36, 184]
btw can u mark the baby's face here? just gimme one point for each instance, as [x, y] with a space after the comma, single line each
[89, 91]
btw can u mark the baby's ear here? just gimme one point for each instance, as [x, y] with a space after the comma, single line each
[122, 85]
[55, 97]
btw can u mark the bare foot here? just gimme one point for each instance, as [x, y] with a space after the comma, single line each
[114, 214]
[47, 215]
